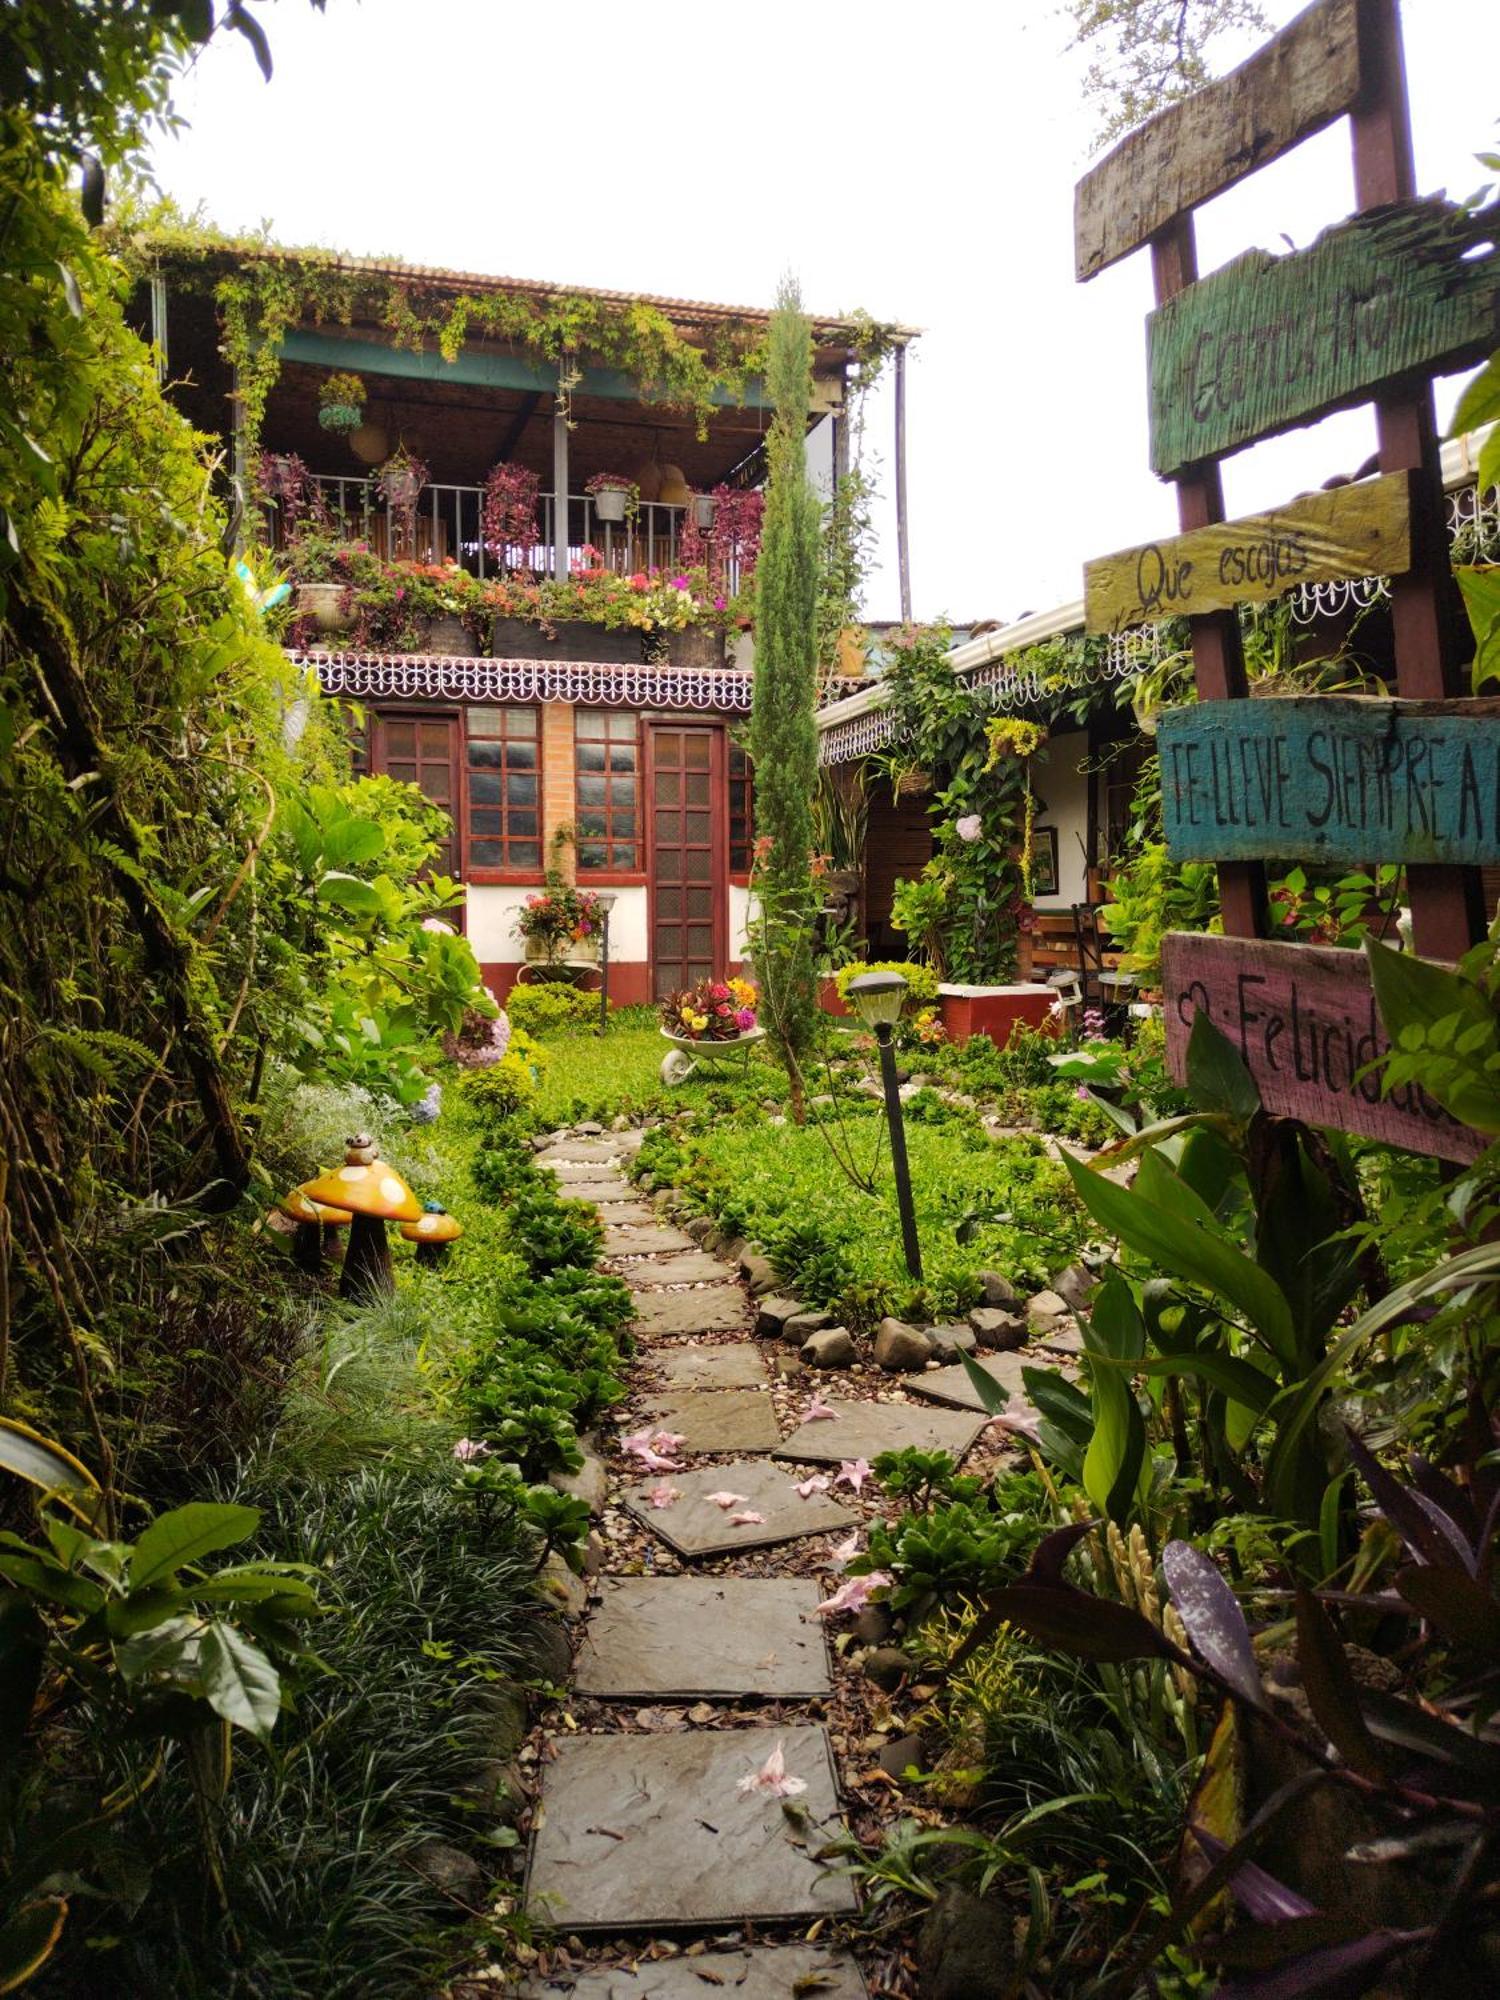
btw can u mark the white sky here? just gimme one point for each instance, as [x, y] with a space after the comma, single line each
[916, 161]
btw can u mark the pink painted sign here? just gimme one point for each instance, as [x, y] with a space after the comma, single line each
[1305, 1022]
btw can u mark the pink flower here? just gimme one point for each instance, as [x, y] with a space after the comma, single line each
[846, 1550]
[644, 1446]
[853, 1595]
[969, 827]
[1026, 1427]
[749, 1519]
[726, 1499]
[720, 602]
[679, 583]
[772, 1778]
[663, 1494]
[468, 1449]
[817, 1484]
[818, 1411]
[745, 1020]
[853, 1473]
[438, 927]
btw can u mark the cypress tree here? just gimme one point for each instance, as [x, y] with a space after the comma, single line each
[783, 735]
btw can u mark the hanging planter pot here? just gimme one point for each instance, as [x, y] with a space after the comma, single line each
[613, 497]
[704, 508]
[341, 418]
[609, 505]
[341, 404]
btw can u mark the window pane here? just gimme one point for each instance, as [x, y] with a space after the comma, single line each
[592, 824]
[622, 757]
[621, 727]
[484, 788]
[624, 854]
[623, 825]
[484, 722]
[695, 753]
[522, 823]
[487, 853]
[592, 791]
[520, 756]
[521, 721]
[591, 854]
[589, 756]
[520, 790]
[484, 756]
[525, 854]
[486, 822]
[697, 788]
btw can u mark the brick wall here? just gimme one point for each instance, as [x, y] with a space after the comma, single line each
[557, 776]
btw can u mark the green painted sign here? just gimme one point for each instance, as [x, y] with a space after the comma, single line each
[1271, 342]
[1329, 778]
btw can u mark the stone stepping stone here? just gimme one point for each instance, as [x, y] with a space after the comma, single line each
[602, 1194]
[952, 1385]
[694, 1526]
[692, 1637]
[691, 1267]
[627, 1239]
[713, 1309]
[719, 1419]
[1068, 1343]
[761, 1972]
[650, 1832]
[864, 1430]
[576, 1152]
[733, 1365]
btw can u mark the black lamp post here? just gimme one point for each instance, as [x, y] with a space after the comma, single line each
[878, 998]
[605, 899]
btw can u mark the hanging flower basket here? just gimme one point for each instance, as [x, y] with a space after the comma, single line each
[704, 508]
[613, 496]
[914, 784]
[342, 404]
[342, 418]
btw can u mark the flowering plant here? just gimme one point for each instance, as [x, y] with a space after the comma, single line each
[342, 388]
[400, 480]
[558, 916]
[611, 482]
[715, 1010]
[481, 1040]
[510, 501]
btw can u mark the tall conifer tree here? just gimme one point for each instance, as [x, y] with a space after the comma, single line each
[783, 735]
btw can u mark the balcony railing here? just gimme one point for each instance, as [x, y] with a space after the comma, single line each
[447, 528]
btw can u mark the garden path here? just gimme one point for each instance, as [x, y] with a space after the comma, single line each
[696, 1824]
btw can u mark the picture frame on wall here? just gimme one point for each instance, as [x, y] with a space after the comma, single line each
[1043, 863]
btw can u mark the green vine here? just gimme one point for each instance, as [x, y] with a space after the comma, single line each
[262, 291]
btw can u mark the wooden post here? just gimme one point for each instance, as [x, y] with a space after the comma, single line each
[903, 553]
[1218, 658]
[559, 488]
[1447, 904]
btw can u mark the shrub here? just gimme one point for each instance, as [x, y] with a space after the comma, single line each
[922, 980]
[550, 1233]
[551, 1008]
[506, 1090]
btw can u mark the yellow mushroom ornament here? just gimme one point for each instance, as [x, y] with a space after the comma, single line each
[374, 1194]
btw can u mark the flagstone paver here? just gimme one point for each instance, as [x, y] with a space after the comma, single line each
[718, 1419]
[651, 1832]
[694, 1526]
[761, 1972]
[571, 1151]
[699, 1636]
[712, 1309]
[734, 1364]
[601, 1193]
[952, 1385]
[628, 1240]
[625, 1214]
[691, 1267]
[863, 1430]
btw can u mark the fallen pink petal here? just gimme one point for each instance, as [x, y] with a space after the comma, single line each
[663, 1495]
[853, 1473]
[818, 1411]
[853, 1595]
[726, 1499]
[642, 1445]
[846, 1550]
[749, 1519]
[772, 1778]
[1026, 1427]
[818, 1483]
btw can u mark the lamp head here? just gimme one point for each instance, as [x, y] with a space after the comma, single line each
[877, 998]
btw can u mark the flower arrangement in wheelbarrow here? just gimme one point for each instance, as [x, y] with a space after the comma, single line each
[715, 1010]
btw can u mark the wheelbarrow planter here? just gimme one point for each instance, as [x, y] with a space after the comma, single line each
[688, 1054]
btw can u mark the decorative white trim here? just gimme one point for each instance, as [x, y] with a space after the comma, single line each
[449, 677]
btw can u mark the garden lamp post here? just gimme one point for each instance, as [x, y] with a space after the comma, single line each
[878, 997]
[606, 901]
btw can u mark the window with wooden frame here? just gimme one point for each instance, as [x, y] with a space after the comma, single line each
[607, 783]
[421, 750]
[503, 789]
[741, 810]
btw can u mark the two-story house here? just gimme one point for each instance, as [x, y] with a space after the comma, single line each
[522, 520]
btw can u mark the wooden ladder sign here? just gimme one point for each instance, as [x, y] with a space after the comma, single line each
[1304, 1020]
[1332, 779]
[1356, 530]
[1267, 342]
[1294, 86]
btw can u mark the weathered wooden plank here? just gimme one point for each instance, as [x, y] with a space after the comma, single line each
[1333, 779]
[1362, 530]
[1292, 87]
[1271, 342]
[1305, 1021]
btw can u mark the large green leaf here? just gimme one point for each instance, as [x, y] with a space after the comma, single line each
[27, 1940]
[42, 1463]
[1191, 1253]
[186, 1534]
[1240, 1381]
[240, 1682]
[1480, 402]
[1412, 992]
[1216, 1073]
[1112, 1464]
[1481, 593]
[1298, 1218]
[348, 842]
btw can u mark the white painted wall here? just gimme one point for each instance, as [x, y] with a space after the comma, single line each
[492, 912]
[739, 919]
[1059, 779]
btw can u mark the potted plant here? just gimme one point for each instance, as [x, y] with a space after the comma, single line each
[614, 496]
[341, 404]
[714, 1021]
[705, 506]
[400, 480]
[559, 925]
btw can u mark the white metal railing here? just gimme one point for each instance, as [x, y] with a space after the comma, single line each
[447, 527]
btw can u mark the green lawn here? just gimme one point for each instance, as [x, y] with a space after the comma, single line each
[601, 1076]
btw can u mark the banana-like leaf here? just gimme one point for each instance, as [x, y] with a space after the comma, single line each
[27, 1940]
[40, 1462]
[1330, 1689]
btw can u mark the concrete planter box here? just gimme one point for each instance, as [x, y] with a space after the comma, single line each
[447, 635]
[577, 639]
[324, 604]
[993, 1010]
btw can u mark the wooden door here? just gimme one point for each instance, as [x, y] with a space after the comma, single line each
[422, 750]
[686, 855]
